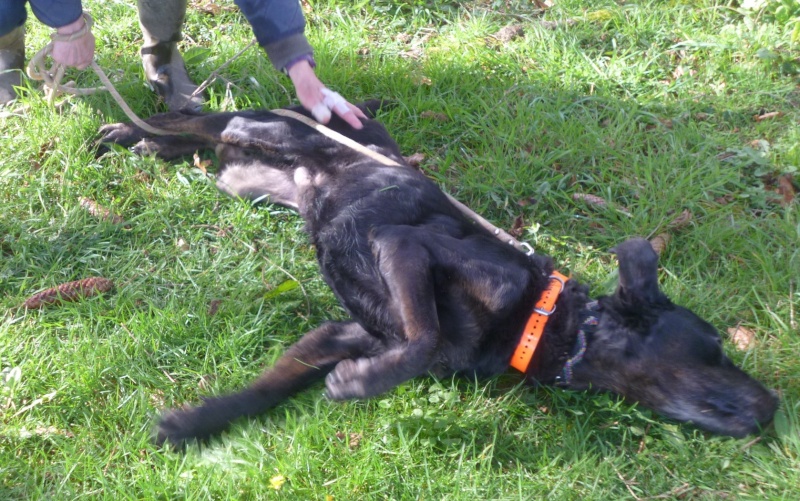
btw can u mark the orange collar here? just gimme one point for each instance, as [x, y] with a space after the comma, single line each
[535, 326]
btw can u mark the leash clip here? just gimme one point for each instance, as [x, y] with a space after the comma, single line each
[530, 251]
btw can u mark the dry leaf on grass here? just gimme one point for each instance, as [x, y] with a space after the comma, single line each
[210, 7]
[786, 189]
[213, 306]
[517, 227]
[681, 221]
[660, 242]
[767, 116]
[201, 164]
[415, 160]
[433, 115]
[206, 381]
[355, 441]
[742, 337]
[71, 291]
[509, 33]
[100, 212]
[552, 25]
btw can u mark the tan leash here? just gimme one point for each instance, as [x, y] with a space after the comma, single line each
[383, 159]
[52, 81]
[52, 77]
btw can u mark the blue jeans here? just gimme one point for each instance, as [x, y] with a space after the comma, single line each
[53, 13]
[12, 15]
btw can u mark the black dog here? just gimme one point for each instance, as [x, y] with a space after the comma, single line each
[429, 291]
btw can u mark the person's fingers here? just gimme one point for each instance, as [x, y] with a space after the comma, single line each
[339, 105]
[355, 109]
[321, 113]
[351, 118]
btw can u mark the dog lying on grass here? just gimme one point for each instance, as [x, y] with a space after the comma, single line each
[429, 291]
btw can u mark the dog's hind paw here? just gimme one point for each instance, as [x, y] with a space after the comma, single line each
[347, 380]
[121, 133]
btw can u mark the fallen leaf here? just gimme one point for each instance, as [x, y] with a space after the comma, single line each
[767, 116]
[761, 145]
[551, 25]
[725, 199]
[434, 116]
[100, 212]
[681, 221]
[45, 431]
[660, 242]
[213, 306]
[201, 164]
[415, 160]
[517, 227]
[205, 382]
[742, 337]
[182, 245]
[355, 441]
[509, 33]
[786, 189]
[681, 70]
[210, 7]
[413, 53]
[422, 80]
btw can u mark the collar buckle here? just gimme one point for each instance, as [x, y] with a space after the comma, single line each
[534, 328]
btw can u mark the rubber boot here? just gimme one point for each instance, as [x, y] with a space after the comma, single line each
[164, 68]
[12, 59]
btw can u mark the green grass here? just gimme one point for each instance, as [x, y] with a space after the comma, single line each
[649, 105]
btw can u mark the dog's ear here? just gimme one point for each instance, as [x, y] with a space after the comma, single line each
[373, 106]
[638, 271]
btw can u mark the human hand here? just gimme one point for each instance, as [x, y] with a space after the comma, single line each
[320, 100]
[73, 44]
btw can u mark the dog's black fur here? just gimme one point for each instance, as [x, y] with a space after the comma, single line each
[428, 291]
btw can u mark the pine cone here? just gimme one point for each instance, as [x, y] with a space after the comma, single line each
[71, 291]
[592, 200]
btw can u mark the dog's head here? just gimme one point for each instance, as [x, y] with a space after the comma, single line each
[665, 357]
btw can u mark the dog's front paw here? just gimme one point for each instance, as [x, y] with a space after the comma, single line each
[347, 380]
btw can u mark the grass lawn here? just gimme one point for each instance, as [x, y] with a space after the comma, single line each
[655, 107]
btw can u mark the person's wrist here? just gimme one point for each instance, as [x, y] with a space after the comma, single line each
[300, 64]
[72, 27]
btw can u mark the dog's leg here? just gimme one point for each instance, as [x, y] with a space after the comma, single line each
[406, 270]
[305, 362]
